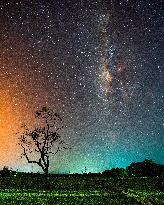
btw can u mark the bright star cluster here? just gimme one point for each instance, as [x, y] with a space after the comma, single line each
[99, 64]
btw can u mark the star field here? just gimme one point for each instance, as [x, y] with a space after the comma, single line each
[99, 64]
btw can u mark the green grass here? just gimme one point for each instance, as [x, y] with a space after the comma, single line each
[62, 198]
[82, 190]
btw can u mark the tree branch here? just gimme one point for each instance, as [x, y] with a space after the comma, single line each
[32, 161]
[57, 151]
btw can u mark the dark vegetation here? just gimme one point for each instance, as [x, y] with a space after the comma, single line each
[147, 168]
[91, 188]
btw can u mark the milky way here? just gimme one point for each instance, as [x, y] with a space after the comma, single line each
[99, 64]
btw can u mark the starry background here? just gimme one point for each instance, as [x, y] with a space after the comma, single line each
[99, 64]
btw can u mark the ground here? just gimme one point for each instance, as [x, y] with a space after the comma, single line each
[81, 190]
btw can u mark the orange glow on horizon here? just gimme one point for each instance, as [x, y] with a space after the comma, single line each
[10, 120]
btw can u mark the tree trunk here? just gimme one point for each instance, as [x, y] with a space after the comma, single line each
[47, 182]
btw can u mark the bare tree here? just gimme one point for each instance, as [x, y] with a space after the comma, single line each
[43, 140]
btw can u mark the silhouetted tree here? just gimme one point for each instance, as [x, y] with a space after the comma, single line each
[115, 172]
[147, 168]
[43, 140]
[5, 171]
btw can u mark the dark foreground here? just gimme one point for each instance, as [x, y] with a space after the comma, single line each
[81, 190]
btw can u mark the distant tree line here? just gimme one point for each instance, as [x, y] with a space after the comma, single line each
[147, 168]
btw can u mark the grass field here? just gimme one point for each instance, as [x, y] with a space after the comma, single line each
[82, 190]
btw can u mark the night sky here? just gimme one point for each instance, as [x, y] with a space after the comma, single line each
[97, 63]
